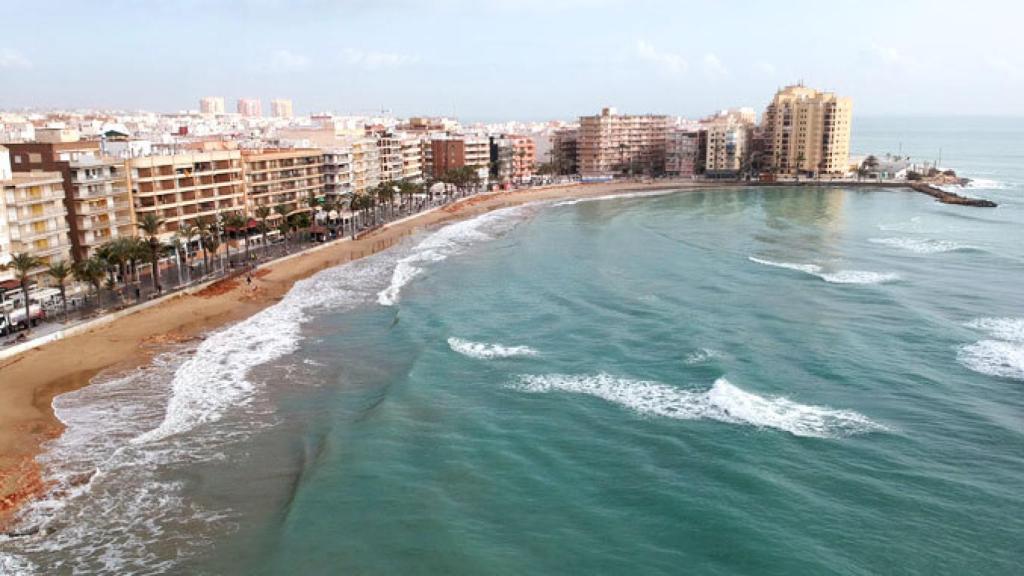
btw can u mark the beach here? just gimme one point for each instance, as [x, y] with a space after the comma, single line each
[31, 380]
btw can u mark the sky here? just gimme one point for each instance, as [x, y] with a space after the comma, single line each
[513, 59]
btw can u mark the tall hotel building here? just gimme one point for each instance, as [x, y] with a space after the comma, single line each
[281, 108]
[211, 105]
[178, 189]
[611, 143]
[250, 107]
[283, 177]
[808, 131]
[32, 218]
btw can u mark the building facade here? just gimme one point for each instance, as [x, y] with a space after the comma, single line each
[337, 170]
[286, 178]
[180, 188]
[211, 105]
[365, 165]
[611, 143]
[281, 108]
[682, 147]
[565, 150]
[808, 131]
[95, 189]
[33, 219]
[249, 107]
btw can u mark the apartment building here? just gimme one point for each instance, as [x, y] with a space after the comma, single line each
[281, 108]
[249, 107]
[726, 145]
[564, 150]
[389, 151]
[33, 219]
[283, 177]
[180, 188]
[211, 105]
[611, 143]
[682, 147]
[365, 165]
[95, 189]
[808, 131]
[337, 169]
[447, 153]
[412, 157]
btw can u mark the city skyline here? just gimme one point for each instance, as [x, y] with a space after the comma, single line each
[462, 59]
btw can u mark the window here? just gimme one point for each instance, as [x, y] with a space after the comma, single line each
[17, 159]
[35, 158]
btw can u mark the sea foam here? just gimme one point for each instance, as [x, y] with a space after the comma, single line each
[485, 351]
[724, 402]
[1002, 354]
[922, 246]
[617, 196]
[447, 241]
[837, 277]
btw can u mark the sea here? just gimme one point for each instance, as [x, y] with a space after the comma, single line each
[814, 380]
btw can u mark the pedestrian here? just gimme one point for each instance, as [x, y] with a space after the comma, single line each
[138, 294]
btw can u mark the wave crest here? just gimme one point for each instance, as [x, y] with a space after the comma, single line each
[1002, 354]
[922, 246]
[724, 402]
[447, 241]
[485, 351]
[837, 277]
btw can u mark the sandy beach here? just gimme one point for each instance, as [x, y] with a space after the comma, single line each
[31, 380]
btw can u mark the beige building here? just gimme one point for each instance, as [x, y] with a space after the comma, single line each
[412, 157]
[211, 105]
[33, 219]
[726, 141]
[611, 143]
[180, 188]
[250, 107]
[281, 108]
[389, 151]
[283, 177]
[101, 207]
[682, 147]
[365, 165]
[337, 170]
[808, 131]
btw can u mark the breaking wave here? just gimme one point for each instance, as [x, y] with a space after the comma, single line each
[837, 277]
[447, 241]
[724, 402]
[701, 356]
[1002, 354]
[616, 196]
[488, 351]
[923, 246]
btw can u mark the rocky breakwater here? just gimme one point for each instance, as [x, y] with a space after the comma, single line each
[950, 197]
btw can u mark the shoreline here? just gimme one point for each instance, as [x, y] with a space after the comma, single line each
[33, 378]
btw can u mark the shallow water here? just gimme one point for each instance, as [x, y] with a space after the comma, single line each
[781, 381]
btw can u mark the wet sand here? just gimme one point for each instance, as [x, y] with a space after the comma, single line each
[30, 381]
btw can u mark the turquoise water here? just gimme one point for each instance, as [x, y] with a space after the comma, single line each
[741, 381]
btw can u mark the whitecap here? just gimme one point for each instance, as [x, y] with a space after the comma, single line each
[987, 184]
[724, 402]
[447, 241]
[1002, 354]
[922, 246]
[485, 351]
[616, 196]
[701, 355]
[837, 277]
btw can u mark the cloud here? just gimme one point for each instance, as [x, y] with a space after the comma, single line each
[13, 60]
[372, 60]
[288, 61]
[667, 61]
[713, 65]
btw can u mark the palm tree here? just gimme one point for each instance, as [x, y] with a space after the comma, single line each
[150, 225]
[91, 271]
[204, 227]
[60, 271]
[211, 242]
[263, 212]
[284, 227]
[23, 265]
[799, 164]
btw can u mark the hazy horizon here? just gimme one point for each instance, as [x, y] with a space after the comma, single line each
[530, 59]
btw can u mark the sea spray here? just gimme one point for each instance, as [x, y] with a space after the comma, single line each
[1002, 354]
[723, 402]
